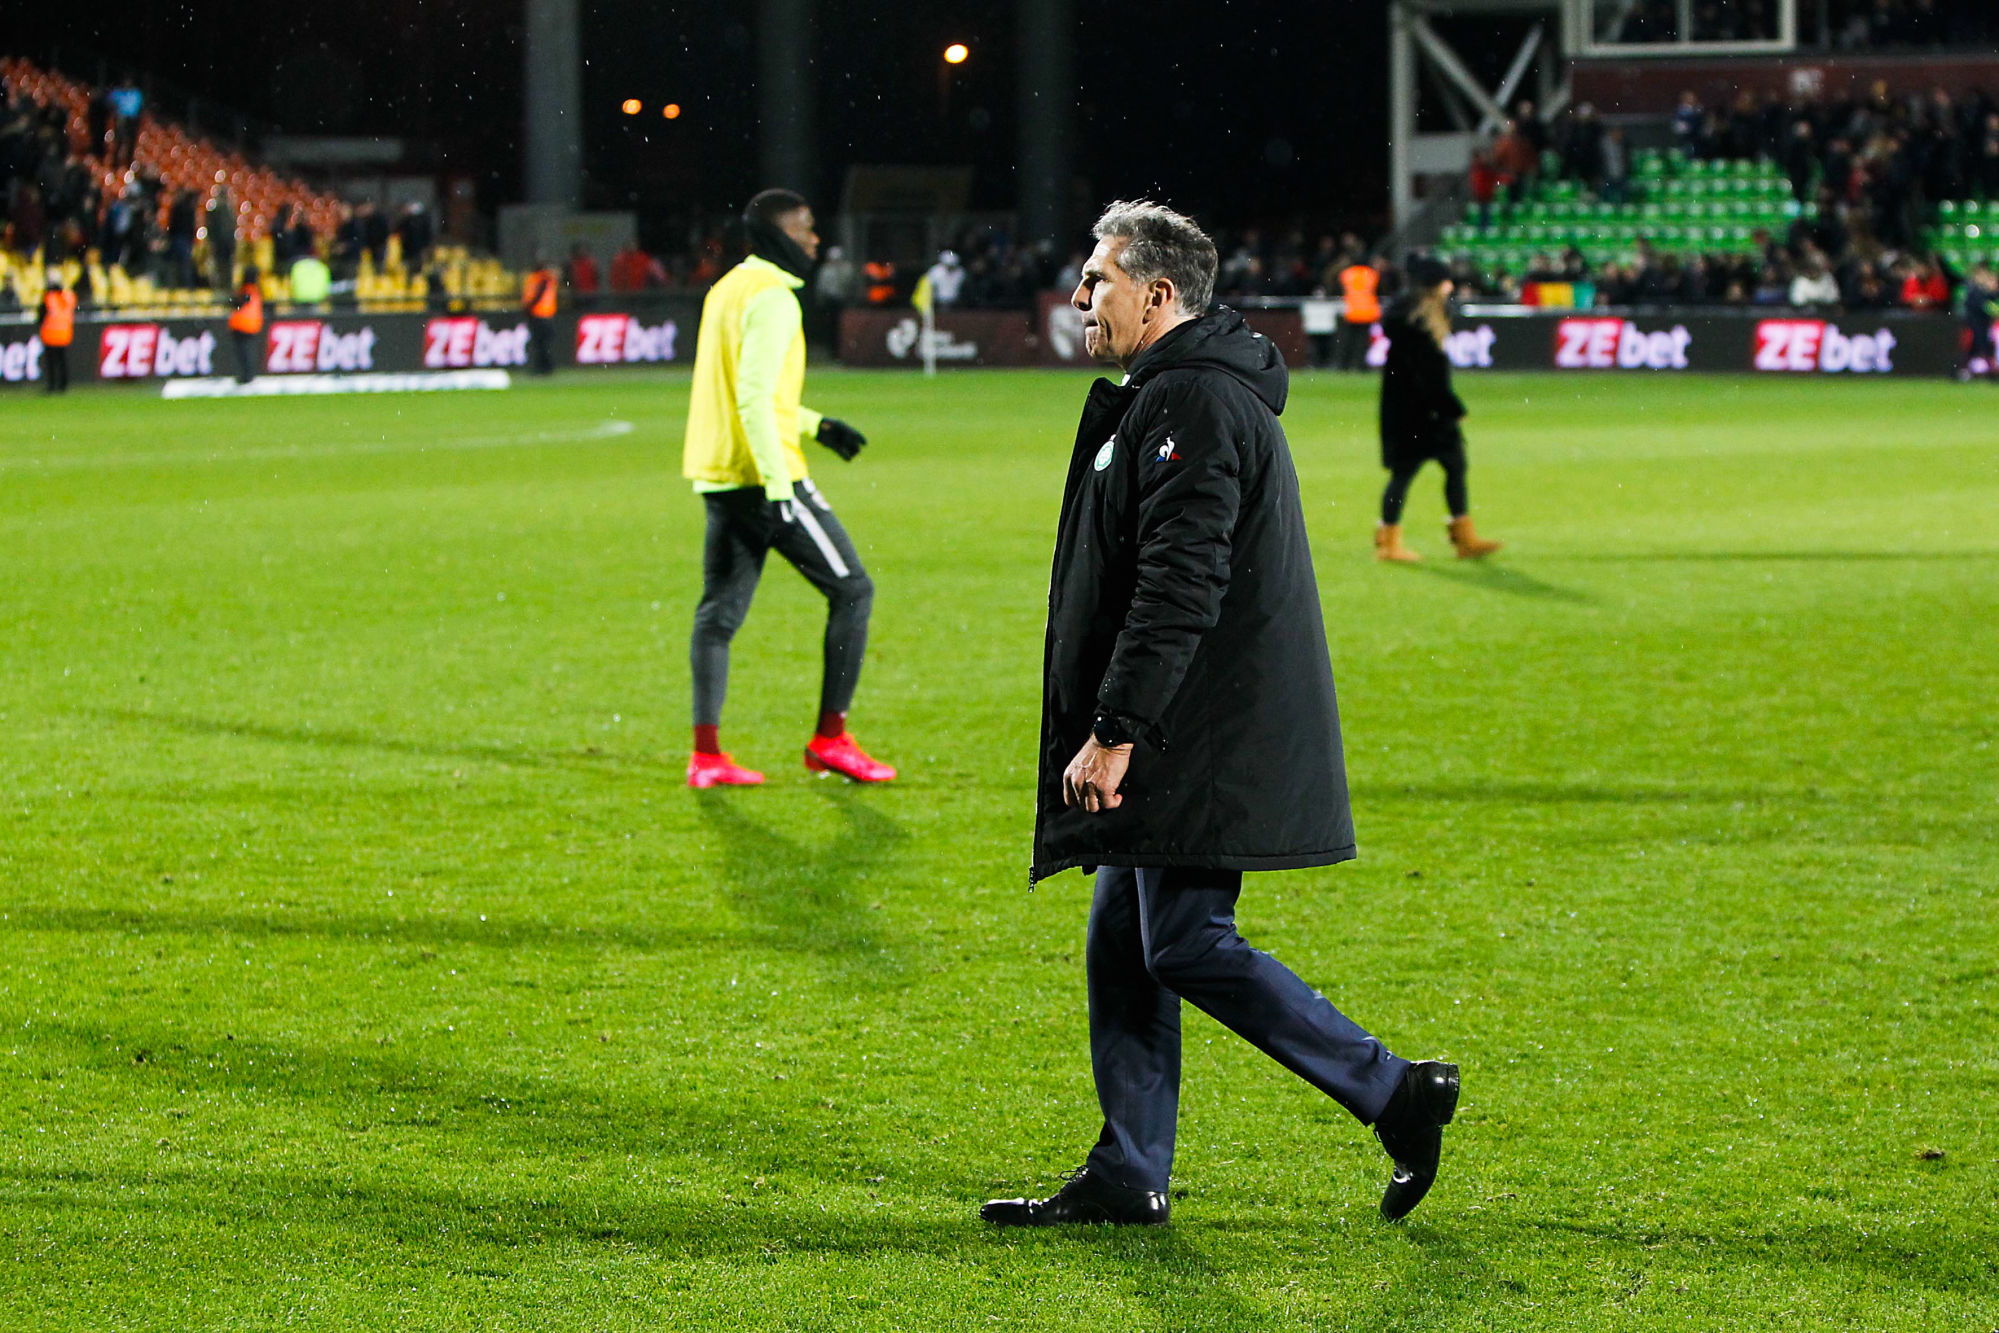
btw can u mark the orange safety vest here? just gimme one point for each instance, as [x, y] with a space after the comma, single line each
[1360, 282]
[881, 282]
[249, 317]
[540, 299]
[58, 318]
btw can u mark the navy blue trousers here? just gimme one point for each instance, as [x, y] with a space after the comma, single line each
[1159, 936]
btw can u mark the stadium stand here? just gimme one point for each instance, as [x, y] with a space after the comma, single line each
[138, 236]
[1755, 205]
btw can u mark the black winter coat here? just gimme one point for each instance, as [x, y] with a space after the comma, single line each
[1419, 412]
[1183, 600]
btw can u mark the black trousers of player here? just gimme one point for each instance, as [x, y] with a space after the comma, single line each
[1350, 350]
[55, 369]
[743, 528]
[1159, 936]
[541, 344]
[1457, 497]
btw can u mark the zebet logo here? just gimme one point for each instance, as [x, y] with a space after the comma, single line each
[21, 362]
[1812, 344]
[138, 351]
[604, 340]
[1468, 349]
[1618, 344]
[467, 340]
[306, 346]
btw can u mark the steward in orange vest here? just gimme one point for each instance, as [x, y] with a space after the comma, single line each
[538, 299]
[1360, 284]
[58, 331]
[246, 324]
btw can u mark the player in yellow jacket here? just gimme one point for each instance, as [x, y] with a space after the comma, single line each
[746, 429]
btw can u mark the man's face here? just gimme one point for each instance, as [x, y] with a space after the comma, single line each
[798, 225]
[1117, 311]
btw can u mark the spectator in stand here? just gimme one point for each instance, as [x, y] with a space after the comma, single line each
[311, 280]
[1582, 146]
[632, 269]
[1800, 157]
[1869, 292]
[837, 284]
[1616, 186]
[222, 239]
[1986, 165]
[417, 234]
[1518, 161]
[348, 243]
[1485, 181]
[180, 240]
[1688, 119]
[1528, 121]
[1924, 286]
[374, 233]
[581, 271]
[126, 104]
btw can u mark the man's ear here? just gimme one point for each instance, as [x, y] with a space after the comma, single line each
[1162, 296]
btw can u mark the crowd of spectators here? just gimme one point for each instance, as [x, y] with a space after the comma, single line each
[1866, 172]
[69, 187]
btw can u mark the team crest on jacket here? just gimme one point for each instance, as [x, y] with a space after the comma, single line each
[1104, 454]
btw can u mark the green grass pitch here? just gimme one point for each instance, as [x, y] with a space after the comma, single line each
[365, 964]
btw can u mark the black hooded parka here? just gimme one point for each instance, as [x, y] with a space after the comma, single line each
[1183, 600]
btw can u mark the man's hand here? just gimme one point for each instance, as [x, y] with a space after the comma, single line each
[841, 438]
[1094, 775]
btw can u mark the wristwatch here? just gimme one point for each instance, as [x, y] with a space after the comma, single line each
[1113, 731]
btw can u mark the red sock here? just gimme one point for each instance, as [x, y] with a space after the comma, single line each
[707, 739]
[832, 725]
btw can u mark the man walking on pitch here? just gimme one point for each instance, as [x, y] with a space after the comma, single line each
[1189, 728]
[745, 429]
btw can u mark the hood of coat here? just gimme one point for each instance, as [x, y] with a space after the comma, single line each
[1220, 339]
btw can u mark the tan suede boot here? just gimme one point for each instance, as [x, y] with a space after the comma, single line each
[1388, 544]
[1469, 544]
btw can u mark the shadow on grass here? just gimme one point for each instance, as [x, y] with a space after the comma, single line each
[1488, 577]
[583, 759]
[1909, 1257]
[799, 894]
[374, 927]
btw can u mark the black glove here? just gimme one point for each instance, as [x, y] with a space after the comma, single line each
[841, 438]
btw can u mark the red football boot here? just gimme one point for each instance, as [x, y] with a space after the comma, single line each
[718, 770]
[842, 754]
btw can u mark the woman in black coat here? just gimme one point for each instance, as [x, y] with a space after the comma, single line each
[1420, 413]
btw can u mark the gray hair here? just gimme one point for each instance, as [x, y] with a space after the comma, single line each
[1160, 243]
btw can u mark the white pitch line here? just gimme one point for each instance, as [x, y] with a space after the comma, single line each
[603, 430]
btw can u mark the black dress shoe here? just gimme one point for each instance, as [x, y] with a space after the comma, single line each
[1412, 1129]
[1087, 1198]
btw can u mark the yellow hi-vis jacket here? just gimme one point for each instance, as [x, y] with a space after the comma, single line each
[745, 424]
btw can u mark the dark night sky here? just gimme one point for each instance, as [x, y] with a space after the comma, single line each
[1242, 110]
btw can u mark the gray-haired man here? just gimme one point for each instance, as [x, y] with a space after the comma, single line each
[1189, 728]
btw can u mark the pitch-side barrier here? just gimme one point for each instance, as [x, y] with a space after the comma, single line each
[1757, 341]
[306, 345]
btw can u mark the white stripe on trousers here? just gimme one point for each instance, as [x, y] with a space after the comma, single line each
[803, 513]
